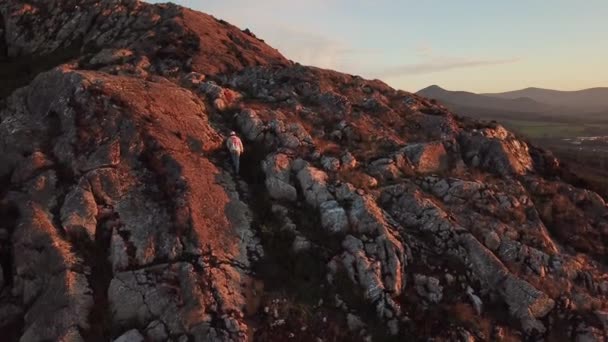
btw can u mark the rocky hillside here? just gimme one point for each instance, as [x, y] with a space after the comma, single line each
[362, 213]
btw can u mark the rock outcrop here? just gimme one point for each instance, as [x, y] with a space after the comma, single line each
[360, 213]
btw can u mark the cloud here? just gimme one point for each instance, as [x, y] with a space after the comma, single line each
[432, 62]
[312, 48]
[443, 65]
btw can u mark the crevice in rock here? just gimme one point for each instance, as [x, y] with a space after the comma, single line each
[8, 220]
[17, 72]
[11, 327]
[165, 170]
[96, 256]
[298, 277]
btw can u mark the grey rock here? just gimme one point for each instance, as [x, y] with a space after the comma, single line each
[119, 257]
[376, 266]
[57, 297]
[111, 56]
[79, 211]
[298, 165]
[314, 184]
[132, 335]
[475, 301]
[427, 157]
[330, 163]
[280, 190]
[428, 288]
[496, 150]
[434, 127]
[143, 222]
[440, 189]
[145, 295]
[491, 240]
[250, 124]
[384, 169]
[277, 168]
[365, 216]
[449, 279]
[333, 217]
[156, 331]
[345, 191]
[212, 90]
[525, 302]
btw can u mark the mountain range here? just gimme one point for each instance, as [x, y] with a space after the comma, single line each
[526, 104]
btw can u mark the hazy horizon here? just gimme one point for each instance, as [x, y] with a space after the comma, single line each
[512, 90]
[476, 46]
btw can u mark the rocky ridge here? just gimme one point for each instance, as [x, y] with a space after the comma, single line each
[361, 212]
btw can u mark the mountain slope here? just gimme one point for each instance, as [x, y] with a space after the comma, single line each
[593, 99]
[361, 212]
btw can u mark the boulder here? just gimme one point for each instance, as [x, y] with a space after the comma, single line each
[496, 150]
[79, 211]
[280, 190]
[250, 124]
[333, 217]
[132, 335]
[314, 185]
[384, 169]
[277, 168]
[427, 157]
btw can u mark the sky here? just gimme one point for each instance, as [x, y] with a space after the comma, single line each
[472, 45]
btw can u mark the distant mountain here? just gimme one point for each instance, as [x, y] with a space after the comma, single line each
[526, 104]
[484, 106]
[521, 104]
[593, 99]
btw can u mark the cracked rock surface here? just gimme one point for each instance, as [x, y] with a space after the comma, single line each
[361, 212]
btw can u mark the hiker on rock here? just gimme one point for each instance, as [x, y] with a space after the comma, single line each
[235, 146]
